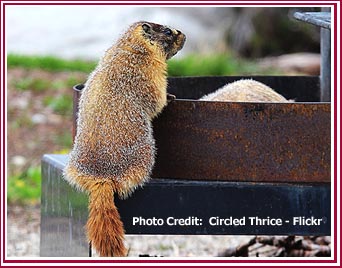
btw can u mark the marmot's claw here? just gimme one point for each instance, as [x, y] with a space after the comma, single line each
[170, 97]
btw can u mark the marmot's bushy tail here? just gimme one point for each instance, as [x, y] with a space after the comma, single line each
[104, 227]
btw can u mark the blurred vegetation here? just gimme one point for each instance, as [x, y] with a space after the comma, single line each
[214, 65]
[49, 63]
[261, 31]
[190, 65]
[61, 104]
[28, 83]
[25, 188]
[298, 37]
[39, 85]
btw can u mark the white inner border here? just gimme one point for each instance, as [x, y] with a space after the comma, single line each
[151, 3]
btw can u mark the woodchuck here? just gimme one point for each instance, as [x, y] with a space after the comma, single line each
[245, 90]
[114, 148]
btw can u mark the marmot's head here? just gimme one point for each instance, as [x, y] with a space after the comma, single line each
[170, 40]
[157, 37]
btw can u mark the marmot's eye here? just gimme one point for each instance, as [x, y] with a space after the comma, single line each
[168, 32]
[147, 28]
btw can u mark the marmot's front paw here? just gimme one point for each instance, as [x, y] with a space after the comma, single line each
[170, 97]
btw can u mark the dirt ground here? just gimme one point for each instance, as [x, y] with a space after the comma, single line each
[23, 231]
[33, 129]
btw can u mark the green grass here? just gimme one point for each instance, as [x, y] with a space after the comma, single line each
[39, 85]
[49, 63]
[25, 188]
[191, 65]
[61, 104]
[33, 84]
[194, 65]
[64, 140]
[23, 121]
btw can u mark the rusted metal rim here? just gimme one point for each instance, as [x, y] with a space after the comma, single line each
[78, 87]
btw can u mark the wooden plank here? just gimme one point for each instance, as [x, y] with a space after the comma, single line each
[321, 19]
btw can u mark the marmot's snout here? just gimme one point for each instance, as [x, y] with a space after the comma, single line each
[181, 38]
[177, 45]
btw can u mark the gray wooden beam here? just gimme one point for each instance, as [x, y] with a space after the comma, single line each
[323, 20]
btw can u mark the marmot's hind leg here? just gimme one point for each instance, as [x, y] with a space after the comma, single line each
[137, 173]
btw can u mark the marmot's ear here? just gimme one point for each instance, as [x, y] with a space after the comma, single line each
[147, 28]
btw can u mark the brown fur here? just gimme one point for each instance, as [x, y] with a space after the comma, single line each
[114, 147]
[245, 90]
